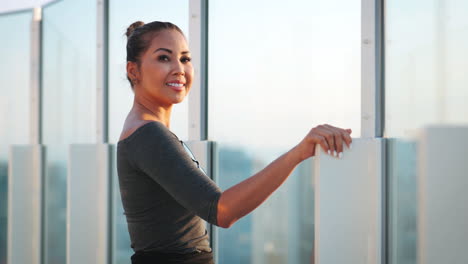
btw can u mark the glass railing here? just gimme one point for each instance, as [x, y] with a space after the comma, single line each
[68, 106]
[281, 230]
[275, 70]
[14, 101]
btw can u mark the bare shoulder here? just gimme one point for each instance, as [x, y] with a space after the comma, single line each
[131, 126]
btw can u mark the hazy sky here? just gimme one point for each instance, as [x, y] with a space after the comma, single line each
[282, 69]
[12, 5]
[426, 62]
[276, 69]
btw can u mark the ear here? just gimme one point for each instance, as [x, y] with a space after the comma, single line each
[132, 70]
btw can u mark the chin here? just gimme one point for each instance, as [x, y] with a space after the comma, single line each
[178, 99]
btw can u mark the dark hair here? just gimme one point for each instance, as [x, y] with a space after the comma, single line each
[139, 37]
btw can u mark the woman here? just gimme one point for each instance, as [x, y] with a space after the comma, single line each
[164, 193]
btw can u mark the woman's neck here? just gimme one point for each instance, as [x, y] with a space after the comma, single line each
[151, 111]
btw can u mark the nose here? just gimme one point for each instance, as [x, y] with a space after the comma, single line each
[178, 68]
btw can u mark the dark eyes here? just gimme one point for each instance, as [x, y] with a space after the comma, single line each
[163, 58]
[184, 59]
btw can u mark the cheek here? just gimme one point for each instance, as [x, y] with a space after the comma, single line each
[155, 71]
[189, 76]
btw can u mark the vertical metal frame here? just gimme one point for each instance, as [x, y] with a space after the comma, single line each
[372, 68]
[214, 162]
[102, 118]
[35, 78]
[385, 202]
[198, 98]
[198, 42]
[373, 94]
[36, 125]
[102, 30]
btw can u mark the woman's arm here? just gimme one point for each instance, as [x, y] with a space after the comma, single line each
[244, 197]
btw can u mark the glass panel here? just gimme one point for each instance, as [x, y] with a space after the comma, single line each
[279, 71]
[281, 230]
[425, 84]
[14, 101]
[402, 175]
[121, 15]
[425, 72]
[69, 105]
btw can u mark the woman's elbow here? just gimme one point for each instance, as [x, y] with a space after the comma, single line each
[224, 218]
[225, 223]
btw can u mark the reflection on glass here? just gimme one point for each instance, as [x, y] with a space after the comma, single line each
[281, 230]
[273, 75]
[121, 15]
[14, 101]
[69, 105]
[121, 250]
[426, 60]
[3, 210]
[425, 84]
[402, 175]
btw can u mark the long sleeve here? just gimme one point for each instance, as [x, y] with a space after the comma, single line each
[159, 154]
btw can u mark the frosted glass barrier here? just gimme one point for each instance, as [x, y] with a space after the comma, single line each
[14, 100]
[281, 230]
[425, 64]
[350, 205]
[442, 197]
[88, 204]
[402, 200]
[121, 15]
[280, 70]
[25, 204]
[69, 105]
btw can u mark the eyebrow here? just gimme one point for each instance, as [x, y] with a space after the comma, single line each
[170, 51]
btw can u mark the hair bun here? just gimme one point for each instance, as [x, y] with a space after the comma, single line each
[132, 28]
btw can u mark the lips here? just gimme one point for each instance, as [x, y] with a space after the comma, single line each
[176, 85]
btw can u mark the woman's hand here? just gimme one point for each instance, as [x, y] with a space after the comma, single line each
[330, 138]
[247, 195]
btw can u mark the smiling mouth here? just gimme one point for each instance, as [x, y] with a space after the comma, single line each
[177, 85]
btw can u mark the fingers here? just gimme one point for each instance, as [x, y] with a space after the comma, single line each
[345, 134]
[347, 138]
[328, 136]
[335, 138]
[322, 141]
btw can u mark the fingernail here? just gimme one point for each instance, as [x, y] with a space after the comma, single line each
[340, 155]
[335, 154]
[329, 153]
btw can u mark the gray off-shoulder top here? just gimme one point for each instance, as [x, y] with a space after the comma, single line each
[164, 194]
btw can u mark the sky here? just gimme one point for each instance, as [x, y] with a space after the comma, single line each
[12, 5]
[282, 68]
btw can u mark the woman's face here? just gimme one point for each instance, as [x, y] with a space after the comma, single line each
[165, 74]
